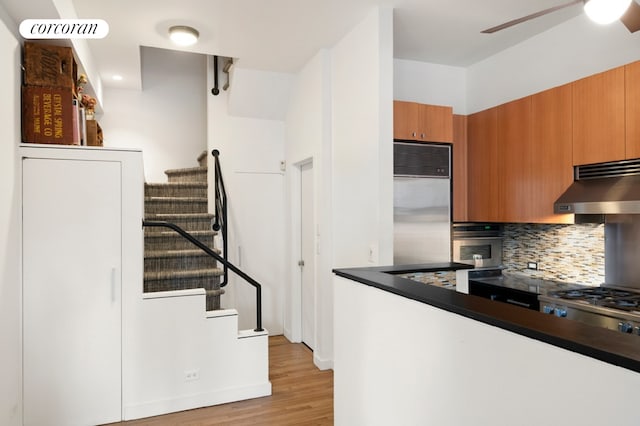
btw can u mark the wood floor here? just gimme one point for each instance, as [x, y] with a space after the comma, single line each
[301, 395]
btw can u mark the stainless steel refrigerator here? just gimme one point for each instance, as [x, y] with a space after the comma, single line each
[421, 203]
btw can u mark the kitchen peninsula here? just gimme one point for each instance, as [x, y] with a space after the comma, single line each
[410, 353]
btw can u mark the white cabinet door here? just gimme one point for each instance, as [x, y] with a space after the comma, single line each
[71, 292]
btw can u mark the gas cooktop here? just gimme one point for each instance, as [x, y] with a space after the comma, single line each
[609, 297]
[615, 308]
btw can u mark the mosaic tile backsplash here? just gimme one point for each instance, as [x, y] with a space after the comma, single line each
[446, 279]
[566, 253]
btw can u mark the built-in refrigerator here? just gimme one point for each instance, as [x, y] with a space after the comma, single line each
[421, 203]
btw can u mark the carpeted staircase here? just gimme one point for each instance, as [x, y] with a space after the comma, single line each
[170, 261]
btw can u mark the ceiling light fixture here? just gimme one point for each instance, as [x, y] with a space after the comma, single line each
[605, 11]
[183, 35]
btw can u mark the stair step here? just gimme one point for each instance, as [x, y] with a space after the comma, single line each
[178, 260]
[196, 273]
[182, 280]
[176, 189]
[170, 240]
[192, 174]
[168, 254]
[187, 221]
[153, 205]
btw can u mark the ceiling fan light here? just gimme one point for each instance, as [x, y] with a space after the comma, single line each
[605, 11]
[183, 35]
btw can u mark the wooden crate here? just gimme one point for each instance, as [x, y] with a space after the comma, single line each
[49, 66]
[47, 115]
[94, 133]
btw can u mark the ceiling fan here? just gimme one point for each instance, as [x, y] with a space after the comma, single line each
[601, 11]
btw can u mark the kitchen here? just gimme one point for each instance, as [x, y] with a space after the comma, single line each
[417, 350]
[530, 146]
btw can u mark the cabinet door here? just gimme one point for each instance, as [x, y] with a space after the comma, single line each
[598, 118]
[436, 123]
[406, 116]
[632, 110]
[551, 154]
[459, 168]
[421, 122]
[71, 292]
[482, 161]
[514, 159]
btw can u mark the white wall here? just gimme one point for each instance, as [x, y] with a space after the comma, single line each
[250, 97]
[308, 136]
[10, 285]
[398, 361]
[362, 170]
[429, 83]
[171, 335]
[251, 150]
[340, 116]
[567, 52]
[167, 119]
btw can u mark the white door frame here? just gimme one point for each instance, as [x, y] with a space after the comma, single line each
[296, 248]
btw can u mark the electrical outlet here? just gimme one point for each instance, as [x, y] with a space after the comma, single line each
[532, 265]
[373, 253]
[191, 375]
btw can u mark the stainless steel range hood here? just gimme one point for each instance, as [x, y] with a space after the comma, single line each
[605, 188]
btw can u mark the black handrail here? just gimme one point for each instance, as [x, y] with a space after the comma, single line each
[220, 259]
[220, 219]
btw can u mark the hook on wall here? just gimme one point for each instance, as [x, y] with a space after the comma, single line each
[226, 68]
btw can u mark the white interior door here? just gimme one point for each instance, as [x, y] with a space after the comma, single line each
[307, 255]
[71, 292]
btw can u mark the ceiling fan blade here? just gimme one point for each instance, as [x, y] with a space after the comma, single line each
[631, 18]
[529, 17]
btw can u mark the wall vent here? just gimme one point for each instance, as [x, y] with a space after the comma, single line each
[607, 170]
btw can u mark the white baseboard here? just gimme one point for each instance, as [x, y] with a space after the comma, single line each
[223, 396]
[322, 364]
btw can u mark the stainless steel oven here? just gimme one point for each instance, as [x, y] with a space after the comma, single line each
[478, 244]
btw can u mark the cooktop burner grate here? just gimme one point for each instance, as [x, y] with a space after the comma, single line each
[592, 294]
[629, 304]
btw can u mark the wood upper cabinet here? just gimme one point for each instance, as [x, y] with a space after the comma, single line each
[530, 164]
[599, 117]
[535, 156]
[405, 120]
[459, 168]
[632, 110]
[420, 122]
[551, 148]
[482, 166]
[514, 159]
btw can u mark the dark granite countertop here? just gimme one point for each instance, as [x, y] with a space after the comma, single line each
[605, 345]
[527, 284]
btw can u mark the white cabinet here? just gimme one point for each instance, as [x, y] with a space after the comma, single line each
[72, 256]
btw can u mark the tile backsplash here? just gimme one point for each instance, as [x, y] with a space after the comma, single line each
[566, 253]
[446, 279]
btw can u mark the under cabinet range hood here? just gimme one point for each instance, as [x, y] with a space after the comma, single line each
[604, 188]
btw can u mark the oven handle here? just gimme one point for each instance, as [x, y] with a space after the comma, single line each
[515, 302]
